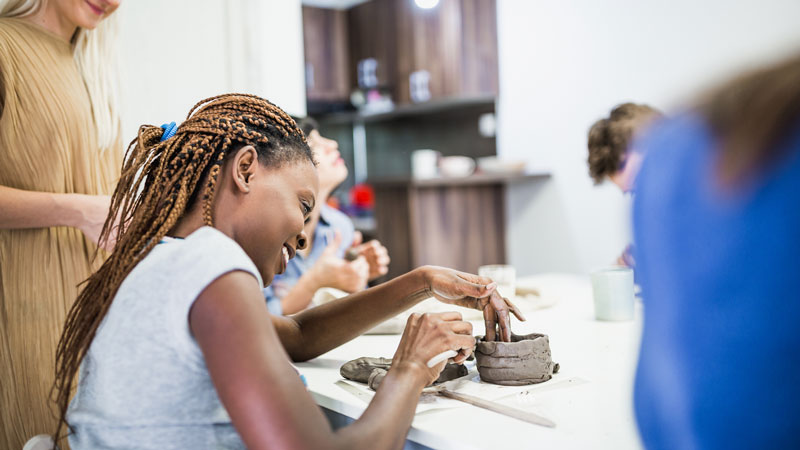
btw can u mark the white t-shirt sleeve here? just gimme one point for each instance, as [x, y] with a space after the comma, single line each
[204, 256]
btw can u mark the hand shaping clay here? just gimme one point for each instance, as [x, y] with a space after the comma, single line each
[524, 360]
[372, 370]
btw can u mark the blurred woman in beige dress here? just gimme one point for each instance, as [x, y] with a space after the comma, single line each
[60, 154]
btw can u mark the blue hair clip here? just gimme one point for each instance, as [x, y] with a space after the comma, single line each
[169, 130]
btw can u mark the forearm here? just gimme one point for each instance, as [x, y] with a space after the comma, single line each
[31, 209]
[299, 296]
[385, 422]
[318, 330]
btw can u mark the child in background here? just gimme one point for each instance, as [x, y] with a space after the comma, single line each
[610, 154]
[331, 235]
[174, 342]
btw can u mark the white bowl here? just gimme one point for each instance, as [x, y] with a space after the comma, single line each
[456, 166]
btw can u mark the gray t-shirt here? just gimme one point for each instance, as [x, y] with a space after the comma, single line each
[144, 382]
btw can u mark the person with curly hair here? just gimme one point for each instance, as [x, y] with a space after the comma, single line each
[610, 153]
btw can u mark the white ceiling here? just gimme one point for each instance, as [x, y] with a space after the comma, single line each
[334, 4]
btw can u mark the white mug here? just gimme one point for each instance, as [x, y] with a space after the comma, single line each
[424, 163]
[612, 288]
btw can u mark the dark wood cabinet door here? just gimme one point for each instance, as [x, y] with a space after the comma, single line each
[372, 35]
[455, 43]
[453, 46]
[478, 37]
[460, 226]
[325, 39]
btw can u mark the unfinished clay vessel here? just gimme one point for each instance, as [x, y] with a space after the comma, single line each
[524, 360]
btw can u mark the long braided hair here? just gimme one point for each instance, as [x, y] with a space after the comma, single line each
[160, 181]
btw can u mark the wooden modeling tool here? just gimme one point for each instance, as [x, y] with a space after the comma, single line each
[518, 414]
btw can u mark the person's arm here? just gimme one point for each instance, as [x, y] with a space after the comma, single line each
[267, 402]
[31, 209]
[317, 330]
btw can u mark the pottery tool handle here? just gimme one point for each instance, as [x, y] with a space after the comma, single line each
[441, 357]
[524, 416]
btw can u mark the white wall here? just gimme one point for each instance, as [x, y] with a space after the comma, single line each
[177, 52]
[564, 64]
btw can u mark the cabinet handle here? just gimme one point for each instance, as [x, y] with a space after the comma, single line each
[368, 73]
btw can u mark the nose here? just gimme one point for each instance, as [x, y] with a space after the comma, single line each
[302, 241]
[331, 145]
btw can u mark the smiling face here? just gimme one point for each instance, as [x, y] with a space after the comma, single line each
[85, 13]
[331, 168]
[267, 208]
[283, 200]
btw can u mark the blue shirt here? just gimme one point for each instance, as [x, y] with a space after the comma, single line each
[330, 220]
[719, 365]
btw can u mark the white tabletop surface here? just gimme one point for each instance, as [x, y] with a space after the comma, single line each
[590, 399]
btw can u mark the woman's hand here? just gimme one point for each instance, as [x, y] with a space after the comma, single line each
[472, 291]
[427, 335]
[32, 209]
[89, 216]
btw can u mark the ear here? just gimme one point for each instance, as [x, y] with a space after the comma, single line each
[243, 167]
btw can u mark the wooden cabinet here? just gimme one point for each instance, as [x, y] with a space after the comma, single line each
[454, 43]
[325, 43]
[452, 46]
[455, 222]
[372, 36]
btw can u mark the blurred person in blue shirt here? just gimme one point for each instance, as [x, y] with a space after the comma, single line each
[717, 227]
[611, 156]
[335, 256]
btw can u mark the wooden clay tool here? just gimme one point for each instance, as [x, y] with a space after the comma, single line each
[519, 414]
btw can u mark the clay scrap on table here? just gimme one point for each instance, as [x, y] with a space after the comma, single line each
[524, 360]
[371, 371]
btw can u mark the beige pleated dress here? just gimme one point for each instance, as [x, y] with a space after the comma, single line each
[47, 143]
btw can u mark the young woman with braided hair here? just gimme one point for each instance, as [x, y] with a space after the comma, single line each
[172, 334]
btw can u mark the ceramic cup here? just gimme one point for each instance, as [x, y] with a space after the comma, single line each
[424, 163]
[504, 275]
[612, 288]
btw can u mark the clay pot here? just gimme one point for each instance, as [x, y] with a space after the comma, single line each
[524, 360]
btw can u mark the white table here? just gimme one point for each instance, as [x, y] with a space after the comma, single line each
[596, 411]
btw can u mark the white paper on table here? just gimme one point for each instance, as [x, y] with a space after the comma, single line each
[469, 384]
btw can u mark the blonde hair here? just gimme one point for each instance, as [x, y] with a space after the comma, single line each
[97, 61]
